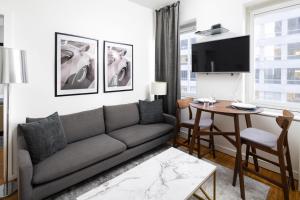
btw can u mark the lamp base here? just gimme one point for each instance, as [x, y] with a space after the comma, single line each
[8, 189]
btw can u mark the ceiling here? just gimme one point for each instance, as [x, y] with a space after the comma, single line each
[156, 4]
[153, 4]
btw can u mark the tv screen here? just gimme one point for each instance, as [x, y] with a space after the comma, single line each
[227, 55]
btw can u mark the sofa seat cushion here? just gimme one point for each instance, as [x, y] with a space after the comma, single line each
[139, 134]
[76, 156]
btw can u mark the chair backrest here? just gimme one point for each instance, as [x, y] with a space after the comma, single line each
[284, 122]
[184, 104]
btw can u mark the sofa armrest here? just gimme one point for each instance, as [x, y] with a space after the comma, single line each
[170, 119]
[25, 175]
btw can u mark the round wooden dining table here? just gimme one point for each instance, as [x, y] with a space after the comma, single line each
[223, 107]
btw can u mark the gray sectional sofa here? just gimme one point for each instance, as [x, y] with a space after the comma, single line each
[97, 141]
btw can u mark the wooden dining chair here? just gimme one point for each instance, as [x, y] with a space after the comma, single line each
[275, 145]
[206, 124]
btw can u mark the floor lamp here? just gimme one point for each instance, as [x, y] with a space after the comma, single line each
[12, 70]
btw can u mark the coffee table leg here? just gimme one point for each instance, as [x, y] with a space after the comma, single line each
[239, 155]
[195, 131]
[215, 185]
[205, 194]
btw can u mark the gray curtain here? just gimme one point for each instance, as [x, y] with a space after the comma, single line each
[167, 54]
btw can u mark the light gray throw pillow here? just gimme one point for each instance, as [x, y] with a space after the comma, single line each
[44, 137]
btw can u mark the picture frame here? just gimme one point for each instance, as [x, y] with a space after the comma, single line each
[117, 67]
[76, 65]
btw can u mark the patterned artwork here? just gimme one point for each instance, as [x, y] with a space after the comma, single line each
[76, 65]
[118, 67]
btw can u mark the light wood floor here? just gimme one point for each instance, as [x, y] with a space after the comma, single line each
[15, 195]
[275, 192]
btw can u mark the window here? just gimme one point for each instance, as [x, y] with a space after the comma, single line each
[184, 75]
[294, 50]
[257, 71]
[193, 76]
[293, 97]
[184, 44]
[271, 52]
[277, 53]
[188, 78]
[293, 76]
[273, 96]
[271, 29]
[278, 28]
[276, 57]
[184, 59]
[294, 25]
[272, 76]
[193, 89]
[184, 89]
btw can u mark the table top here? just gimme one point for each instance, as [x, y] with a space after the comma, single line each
[158, 178]
[224, 107]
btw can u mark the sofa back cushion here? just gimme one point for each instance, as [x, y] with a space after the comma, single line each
[121, 116]
[81, 125]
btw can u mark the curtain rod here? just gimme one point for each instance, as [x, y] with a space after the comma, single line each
[169, 6]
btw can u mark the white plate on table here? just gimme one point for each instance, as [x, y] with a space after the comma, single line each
[244, 106]
[202, 100]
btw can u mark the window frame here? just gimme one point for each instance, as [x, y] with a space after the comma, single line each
[250, 96]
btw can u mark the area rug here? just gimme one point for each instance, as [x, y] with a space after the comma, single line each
[225, 191]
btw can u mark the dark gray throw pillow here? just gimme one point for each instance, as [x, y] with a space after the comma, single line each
[151, 111]
[44, 137]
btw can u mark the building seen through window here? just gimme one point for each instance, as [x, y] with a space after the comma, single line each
[188, 78]
[277, 56]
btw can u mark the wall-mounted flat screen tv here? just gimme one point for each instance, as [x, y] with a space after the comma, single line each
[222, 56]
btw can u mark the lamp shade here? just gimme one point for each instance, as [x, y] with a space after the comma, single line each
[159, 88]
[12, 66]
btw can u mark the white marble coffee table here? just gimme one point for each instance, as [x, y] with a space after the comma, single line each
[170, 175]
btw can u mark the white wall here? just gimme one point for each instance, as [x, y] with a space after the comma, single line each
[231, 15]
[34, 24]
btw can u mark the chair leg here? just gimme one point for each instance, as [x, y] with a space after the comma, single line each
[189, 136]
[284, 181]
[198, 146]
[235, 172]
[212, 145]
[175, 137]
[290, 169]
[247, 155]
[255, 159]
